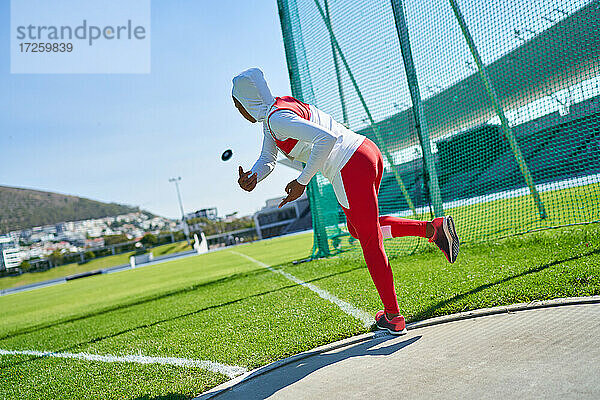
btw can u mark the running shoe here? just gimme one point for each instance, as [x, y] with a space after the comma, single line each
[396, 326]
[445, 237]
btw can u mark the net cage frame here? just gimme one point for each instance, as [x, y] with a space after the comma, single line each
[488, 111]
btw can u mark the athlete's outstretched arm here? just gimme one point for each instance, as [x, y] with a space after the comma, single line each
[289, 124]
[262, 167]
[268, 158]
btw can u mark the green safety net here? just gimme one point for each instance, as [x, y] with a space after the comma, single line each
[486, 111]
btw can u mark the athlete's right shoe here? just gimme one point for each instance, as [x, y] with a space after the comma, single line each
[395, 326]
[445, 237]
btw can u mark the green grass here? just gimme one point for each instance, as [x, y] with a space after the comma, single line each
[222, 307]
[64, 270]
[97, 263]
[520, 214]
[99, 293]
[475, 223]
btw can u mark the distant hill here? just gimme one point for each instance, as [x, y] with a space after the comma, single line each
[26, 208]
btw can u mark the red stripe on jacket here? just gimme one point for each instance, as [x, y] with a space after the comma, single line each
[299, 108]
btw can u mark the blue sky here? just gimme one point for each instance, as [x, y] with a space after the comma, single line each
[119, 137]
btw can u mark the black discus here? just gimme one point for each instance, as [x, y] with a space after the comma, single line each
[226, 155]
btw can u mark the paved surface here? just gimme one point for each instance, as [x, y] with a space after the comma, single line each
[542, 353]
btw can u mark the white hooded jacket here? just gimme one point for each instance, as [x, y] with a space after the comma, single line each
[323, 144]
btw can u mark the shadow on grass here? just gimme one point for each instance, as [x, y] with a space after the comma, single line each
[157, 322]
[265, 381]
[430, 311]
[167, 249]
[149, 299]
[144, 300]
[174, 249]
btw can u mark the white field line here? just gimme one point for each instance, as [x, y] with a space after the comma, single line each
[348, 308]
[230, 370]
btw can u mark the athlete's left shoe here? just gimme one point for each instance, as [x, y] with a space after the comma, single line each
[445, 237]
[395, 326]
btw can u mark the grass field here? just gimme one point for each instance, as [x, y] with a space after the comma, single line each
[479, 221]
[225, 308]
[504, 217]
[97, 263]
[499, 217]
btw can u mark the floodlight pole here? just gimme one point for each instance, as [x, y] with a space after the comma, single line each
[417, 109]
[489, 88]
[185, 231]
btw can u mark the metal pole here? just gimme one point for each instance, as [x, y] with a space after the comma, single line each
[320, 243]
[179, 197]
[378, 137]
[295, 62]
[183, 220]
[337, 69]
[417, 108]
[489, 88]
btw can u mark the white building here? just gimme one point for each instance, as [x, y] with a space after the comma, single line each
[208, 213]
[10, 256]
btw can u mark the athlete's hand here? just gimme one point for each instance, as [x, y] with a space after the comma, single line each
[247, 181]
[294, 190]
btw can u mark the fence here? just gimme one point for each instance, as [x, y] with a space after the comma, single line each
[486, 111]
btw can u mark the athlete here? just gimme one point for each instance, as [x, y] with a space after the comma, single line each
[354, 166]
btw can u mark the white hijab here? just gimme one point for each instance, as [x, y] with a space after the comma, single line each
[251, 90]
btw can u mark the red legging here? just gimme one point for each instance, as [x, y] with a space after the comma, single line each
[361, 177]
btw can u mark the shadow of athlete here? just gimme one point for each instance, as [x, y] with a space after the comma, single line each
[261, 387]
